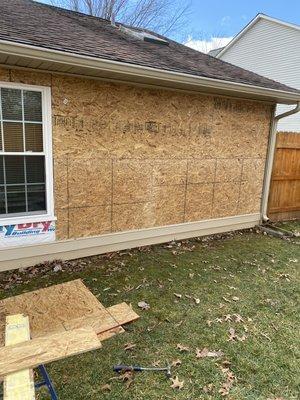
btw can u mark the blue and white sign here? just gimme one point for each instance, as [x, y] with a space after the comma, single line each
[27, 234]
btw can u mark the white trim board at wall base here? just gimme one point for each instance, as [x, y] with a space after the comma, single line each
[18, 257]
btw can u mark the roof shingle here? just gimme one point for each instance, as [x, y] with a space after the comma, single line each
[36, 24]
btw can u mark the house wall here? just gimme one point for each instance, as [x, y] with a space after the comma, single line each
[128, 158]
[272, 50]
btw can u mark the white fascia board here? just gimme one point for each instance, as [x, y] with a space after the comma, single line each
[134, 70]
[249, 25]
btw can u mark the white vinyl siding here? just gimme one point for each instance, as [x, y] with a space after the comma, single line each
[271, 50]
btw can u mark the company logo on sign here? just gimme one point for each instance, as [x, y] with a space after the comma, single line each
[30, 229]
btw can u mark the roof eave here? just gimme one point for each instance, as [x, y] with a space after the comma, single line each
[143, 73]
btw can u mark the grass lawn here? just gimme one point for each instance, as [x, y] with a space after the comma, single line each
[248, 274]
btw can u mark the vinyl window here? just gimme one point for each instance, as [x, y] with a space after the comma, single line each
[25, 152]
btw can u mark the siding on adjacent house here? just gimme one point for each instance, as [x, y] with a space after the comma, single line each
[272, 50]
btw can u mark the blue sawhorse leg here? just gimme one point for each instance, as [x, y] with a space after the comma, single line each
[46, 382]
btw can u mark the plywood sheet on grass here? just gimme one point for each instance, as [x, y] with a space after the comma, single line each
[64, 307]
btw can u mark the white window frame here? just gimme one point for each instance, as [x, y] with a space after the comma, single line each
[47, 153]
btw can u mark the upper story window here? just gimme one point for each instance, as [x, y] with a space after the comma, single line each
[25, 171]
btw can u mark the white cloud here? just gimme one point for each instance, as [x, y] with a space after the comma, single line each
[225, 21]
[205, 45]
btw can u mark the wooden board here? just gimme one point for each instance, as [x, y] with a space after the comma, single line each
[63, 307]
[112, 332]
[284, 198]
[49, 308]
[47, 349]
[19, 385]
[123, 313]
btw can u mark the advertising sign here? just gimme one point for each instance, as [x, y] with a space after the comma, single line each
[27, 234]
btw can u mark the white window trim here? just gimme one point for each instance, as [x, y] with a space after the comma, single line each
[47, 143]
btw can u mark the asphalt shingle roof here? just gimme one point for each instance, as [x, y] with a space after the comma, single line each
[36, 24]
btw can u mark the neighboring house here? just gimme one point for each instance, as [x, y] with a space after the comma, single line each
[271, 48]
[113, 137]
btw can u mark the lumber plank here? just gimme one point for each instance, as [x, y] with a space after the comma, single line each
[19, 385]
[112, 332]
[123, 313]
[100, 321]
[47, 349]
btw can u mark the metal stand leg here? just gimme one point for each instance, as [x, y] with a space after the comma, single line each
[46, 382]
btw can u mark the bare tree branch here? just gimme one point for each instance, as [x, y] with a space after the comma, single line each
[163, 16]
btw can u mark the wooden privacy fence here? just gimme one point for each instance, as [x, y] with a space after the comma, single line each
[284, 199]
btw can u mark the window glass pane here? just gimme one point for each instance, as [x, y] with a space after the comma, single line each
[34, 137]
[16, 202]
[2, 200]
[1, 171]
[35, 169]
[36, 197]
[11, 104]
[13, 136]
[14, 169]
[32, 106]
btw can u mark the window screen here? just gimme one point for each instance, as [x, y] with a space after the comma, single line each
[22, 157]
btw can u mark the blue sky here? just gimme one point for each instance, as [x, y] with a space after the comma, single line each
[225, 18]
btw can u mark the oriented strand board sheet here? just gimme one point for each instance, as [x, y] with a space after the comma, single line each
[64, 307]
[49, 308]
[122, 313]
[142, 149]
[46, 349]
[112, 332]
[19, 385]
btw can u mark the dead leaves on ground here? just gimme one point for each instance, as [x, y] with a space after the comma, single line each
[176, 363]
[129, 346]
[106, 388]
[182, 348]
[229, 376]
[143, 305]
[207, 353]
[234, 337]
[176, 383]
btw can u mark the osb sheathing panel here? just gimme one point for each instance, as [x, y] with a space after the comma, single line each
[130, 158]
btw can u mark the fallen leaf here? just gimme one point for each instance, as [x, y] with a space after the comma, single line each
[208, 388]
[176, 384]
[238, 318]
[232, 335]
[129, 346]
[197, 301]
[182, 348]
[178, 295]
[241, 338]
[175, 363]
[207, 353]
[156, 363]
[106, 388]
[143, 305]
